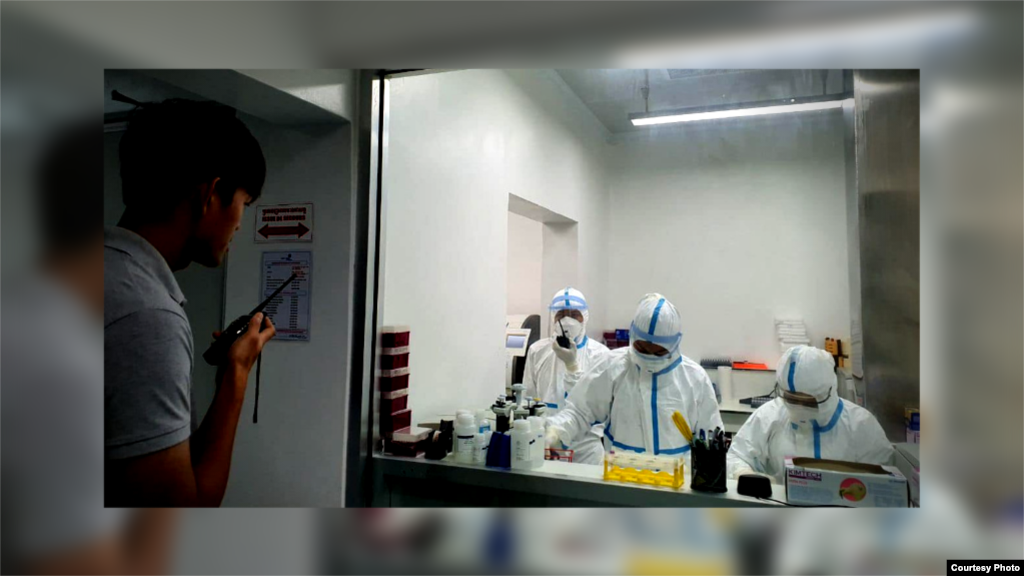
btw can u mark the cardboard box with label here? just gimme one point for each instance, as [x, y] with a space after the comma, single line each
[834, 482]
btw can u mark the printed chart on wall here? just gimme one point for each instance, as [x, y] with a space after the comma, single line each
[290, 310]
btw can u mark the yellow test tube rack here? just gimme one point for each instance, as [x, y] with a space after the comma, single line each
[644, 470]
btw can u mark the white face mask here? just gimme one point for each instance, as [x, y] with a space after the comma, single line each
[573, 329]
[801, 414]
[650, 362]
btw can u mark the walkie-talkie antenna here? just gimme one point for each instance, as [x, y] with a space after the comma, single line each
[217, 351]
[274, 295]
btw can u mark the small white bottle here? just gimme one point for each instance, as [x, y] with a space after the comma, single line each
[483, 441]
[537, 427]
[522, 445]
[465, 438]
[483, 420]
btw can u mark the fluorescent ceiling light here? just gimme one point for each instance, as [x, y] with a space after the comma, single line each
[663, 118]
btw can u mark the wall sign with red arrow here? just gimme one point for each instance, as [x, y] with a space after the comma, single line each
[284, 223]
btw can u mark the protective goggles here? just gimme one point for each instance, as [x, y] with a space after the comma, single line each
[801, 398]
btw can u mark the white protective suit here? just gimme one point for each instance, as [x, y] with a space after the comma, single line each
[544, 375]
[837, 430]
[636, 394]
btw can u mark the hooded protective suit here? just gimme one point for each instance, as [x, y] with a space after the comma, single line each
[835, 429]
[544, 375]
[635, 394]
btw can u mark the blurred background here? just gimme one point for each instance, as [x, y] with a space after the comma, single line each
[972, 242]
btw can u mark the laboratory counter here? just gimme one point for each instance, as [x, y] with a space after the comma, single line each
[416, 482]
[745, 384]
[734, 415]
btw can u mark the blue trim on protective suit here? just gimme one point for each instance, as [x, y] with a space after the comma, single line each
[654, 401]
[582, 344]
[568, 302]
[654, 410]
[792, 371]
[654, 318]
[608, 434]
[818, 430]
[670, 367]
[672, 340]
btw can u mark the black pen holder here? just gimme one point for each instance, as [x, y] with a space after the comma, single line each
[708, 469]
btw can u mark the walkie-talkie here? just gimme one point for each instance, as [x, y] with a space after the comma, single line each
[217, 353]
[563, 340]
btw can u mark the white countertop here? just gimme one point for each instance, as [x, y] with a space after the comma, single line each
[584, 481]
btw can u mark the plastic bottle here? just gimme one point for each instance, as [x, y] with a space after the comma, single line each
[499, 451]
[522, 445]
[483, 420]
[465, 438]
[483, 440]
[537, 427]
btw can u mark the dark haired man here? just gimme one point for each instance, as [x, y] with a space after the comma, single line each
[188, 170]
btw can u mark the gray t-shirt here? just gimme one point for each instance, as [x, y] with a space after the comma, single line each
[147, 346]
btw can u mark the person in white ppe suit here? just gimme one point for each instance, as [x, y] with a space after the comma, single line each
[806, 419]
[544, 375]
[635, 391]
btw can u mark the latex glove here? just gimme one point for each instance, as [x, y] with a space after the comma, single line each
[740, 470]
[551, 439]
[737, 467]
[566, 355]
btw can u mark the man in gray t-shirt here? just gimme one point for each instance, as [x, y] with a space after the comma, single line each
[188, 170]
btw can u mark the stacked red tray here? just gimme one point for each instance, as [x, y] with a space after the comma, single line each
[393, 381]
[409, 442]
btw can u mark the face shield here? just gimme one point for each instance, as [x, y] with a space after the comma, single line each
[800, 399]
[804, 408]
[569, 315]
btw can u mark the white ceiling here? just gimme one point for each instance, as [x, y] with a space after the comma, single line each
[613, 94]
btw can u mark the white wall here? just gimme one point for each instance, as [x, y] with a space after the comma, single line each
[561, 268]
[525, 251]
[736, 222]
[294, 455]
[459, 144]
[332, 90]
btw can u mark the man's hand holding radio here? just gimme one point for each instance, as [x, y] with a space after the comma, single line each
[244, 351]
